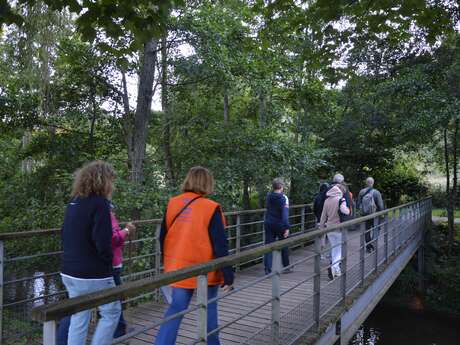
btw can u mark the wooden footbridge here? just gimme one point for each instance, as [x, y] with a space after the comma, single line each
[301, 307]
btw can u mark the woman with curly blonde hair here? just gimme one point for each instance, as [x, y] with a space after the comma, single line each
[87, 250]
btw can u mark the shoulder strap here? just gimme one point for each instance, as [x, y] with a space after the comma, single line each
[367, 192]
[183, 209]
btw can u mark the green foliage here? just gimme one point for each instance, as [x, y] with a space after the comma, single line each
[143, 19]
[443, 271]
[275, 63]
[400, 184]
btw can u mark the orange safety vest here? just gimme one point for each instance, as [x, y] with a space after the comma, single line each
[187, 241]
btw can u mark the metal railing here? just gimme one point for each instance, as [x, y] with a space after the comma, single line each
[393, 230]
[29, 266]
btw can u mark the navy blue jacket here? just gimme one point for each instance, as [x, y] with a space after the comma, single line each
[277, 214]
[87, 238]
[219, 242]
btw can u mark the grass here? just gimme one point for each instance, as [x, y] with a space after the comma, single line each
[441, 212]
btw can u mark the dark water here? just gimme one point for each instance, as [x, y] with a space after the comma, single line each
[401, 326]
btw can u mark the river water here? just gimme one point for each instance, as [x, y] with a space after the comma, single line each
[389, 325]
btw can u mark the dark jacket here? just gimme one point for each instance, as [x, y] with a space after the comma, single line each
[318, 203]
[277, 214]
[87, 238]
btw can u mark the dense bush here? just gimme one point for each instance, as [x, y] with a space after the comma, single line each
[402, 183]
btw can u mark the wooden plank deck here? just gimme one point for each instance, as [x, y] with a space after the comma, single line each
[296, 305]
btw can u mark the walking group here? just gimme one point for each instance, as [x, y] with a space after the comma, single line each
[334, 204]
[192, 232]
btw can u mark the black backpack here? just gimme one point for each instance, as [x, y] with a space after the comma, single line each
[344, 217]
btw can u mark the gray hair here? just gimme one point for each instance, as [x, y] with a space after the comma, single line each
[277, 183]
[370, 182]
[338, 178]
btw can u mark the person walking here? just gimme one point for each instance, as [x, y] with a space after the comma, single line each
[318, 205]
[334, 204]
[193, 232]
[86, 264]
[118, 240]
[339, 180]
[318, 202]
[276, 223]
[119, 237]
[370, 201]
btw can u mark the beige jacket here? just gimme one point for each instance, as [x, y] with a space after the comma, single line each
[330, 215]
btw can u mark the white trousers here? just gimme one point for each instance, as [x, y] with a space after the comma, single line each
[335, 240]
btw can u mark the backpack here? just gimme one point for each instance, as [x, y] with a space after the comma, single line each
[368, 205]
[344, 217]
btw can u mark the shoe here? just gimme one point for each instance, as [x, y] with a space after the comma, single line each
[288, 270]
[369, 248]
[130, 330]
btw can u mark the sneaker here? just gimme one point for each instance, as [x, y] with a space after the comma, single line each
[288, 270]
[369, 248]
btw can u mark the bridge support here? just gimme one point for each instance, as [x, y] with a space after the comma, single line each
[421, 268]
[365, 301]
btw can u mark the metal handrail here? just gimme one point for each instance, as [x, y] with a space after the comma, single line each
[137, 256]
[56, 311]
[6, 236]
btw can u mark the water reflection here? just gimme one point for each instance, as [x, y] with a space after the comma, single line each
[401, 326]
[366, 336]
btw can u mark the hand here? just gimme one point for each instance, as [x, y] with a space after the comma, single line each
[227, 288]
[286, 233]
[131, 228]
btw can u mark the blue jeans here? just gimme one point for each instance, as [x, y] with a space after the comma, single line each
[272, 234]
[79, 322]
[180, 301]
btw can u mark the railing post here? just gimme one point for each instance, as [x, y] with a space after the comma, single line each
[157, 256]
[317, 282]
[394, 226]
[344, 263]
[263, 228]
[276, 296]
[385, 236]
[402, 224]
[202, 301]
[2, 258]
[49, 333]
[376, 231]
[362, 250]
[238, 238]
[302, 219]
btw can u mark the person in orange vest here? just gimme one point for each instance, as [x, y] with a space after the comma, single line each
[193, 232]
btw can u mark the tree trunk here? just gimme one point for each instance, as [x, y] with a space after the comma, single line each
[260, 186]
[450, 206]
[128, 120]
[226, 105]
[93, 120]
[165, 105]
[26, 164]
[246, 203]
[453, 198]
[261, 109]
[143, 111]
